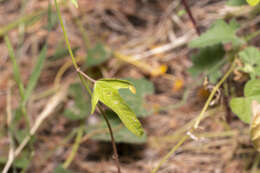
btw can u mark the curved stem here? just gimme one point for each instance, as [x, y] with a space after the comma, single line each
[68, 45]
[115, 156]
[213, 93]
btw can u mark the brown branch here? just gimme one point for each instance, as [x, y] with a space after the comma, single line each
[187, 8]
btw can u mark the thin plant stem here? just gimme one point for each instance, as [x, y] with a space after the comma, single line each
[85, 75]
[86, 84]
[115, 156]
[69, 48]
[66, 36]
[213, 93]
[187, 8]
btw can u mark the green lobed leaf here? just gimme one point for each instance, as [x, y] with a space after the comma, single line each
[137, 101]
[106, 90]
[209, 61]
[82, 103]
[116, 84]
[251, 59]
[220, 32]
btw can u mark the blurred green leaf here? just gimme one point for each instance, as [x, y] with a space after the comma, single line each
[121, 133]
[236, 2]
[106, 90]
[241, 106]
[52, 18]
[60, 169]
[82, 103]
[35, 74]
[97, 55]
[16, 70]
[20, 162]
[220, 32]
[251, 59]
[20, 134]
[252, 88]
[61, 52]
[137, 101]
[209, 61]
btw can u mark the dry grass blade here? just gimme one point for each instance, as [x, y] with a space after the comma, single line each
[49, 108]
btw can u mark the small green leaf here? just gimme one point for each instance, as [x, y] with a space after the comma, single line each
[106, 90]
[241, 106]
[251, 59]
[253, 2]
[81, 106]
[115, 84]
[75, 3]
[220, 32]
[97, 55]
[209, 61]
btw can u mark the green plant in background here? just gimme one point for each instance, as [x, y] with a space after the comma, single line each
[81, 107]
[212, 57]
